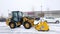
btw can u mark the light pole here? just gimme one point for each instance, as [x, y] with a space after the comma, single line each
[41, 7]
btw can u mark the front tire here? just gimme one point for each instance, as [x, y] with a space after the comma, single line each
[27, 25]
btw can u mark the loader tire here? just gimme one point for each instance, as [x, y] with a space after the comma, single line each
[12, 25]
[27, 25]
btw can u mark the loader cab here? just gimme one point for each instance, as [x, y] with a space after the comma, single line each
[17, 16]
[16, 20]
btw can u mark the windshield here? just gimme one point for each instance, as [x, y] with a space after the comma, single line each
[20, 14]
[49, 18]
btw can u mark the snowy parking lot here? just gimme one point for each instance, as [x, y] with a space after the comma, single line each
[4, 29]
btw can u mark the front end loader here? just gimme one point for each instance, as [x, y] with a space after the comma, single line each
[17, 19]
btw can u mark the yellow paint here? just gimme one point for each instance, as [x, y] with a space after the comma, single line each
[42, 26]
[18, 23]
[31, 21]
[7, 21]
[27, 25]
[12, 25]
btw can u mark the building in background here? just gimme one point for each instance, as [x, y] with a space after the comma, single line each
[55, 13]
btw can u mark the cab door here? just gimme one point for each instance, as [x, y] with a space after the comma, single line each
[15, 16]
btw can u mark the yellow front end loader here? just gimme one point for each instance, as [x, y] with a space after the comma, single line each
[18, 19]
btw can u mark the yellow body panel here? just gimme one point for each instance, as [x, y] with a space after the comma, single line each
[7, 21]
[18, 23]
[24, 19]
[42, 26]
[29, 20]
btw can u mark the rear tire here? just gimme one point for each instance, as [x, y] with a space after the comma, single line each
[27, 25]
[12, 25]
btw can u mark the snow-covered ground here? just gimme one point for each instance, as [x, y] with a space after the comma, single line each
[4, 29]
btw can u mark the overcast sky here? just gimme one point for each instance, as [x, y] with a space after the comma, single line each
[7, 6]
